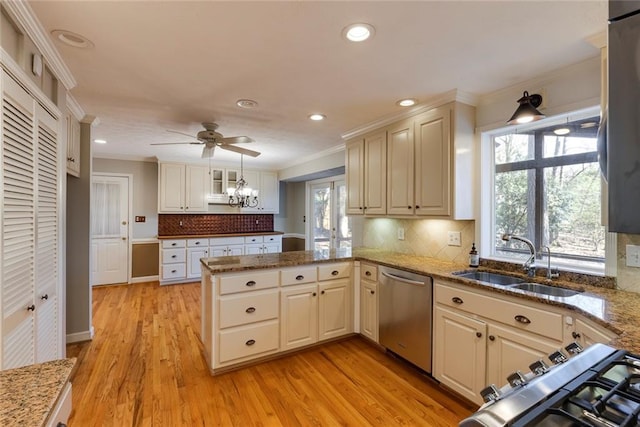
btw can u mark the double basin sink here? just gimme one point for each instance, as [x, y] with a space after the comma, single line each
[516, 283]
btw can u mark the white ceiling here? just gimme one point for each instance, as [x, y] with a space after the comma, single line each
[160, 65]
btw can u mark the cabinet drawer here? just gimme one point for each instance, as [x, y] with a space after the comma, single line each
[272, 239]
[522, 316]
[298, 275]
[369, 272]
[248, 341]
[334, 271]
[197, 243]
[253, 239]
[174, 271]
[249, 281]
[175, 243]
[170, 256]
[225, 241]
[252, 307]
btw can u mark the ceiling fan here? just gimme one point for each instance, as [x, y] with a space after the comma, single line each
[212, 139]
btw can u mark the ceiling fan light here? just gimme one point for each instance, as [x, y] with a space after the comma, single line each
[526, 111]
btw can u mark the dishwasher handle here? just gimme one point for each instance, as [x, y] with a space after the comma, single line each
[402, 279]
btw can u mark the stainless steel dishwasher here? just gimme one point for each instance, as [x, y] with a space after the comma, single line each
[405, 315]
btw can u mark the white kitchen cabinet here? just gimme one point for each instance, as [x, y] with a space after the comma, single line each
[366, 170]
[73, 145]
[30, 274]
[268, 191]
[460, 352]
[221, 181]
[173, 261]
[334, 309]
[299, 315]
[255, 245]
[400, 169]
[183, 188]
[196, 249]
[369, 301]
[226, 246]
[587, 333]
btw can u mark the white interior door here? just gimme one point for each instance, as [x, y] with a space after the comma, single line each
[329, 226]
[109, 229]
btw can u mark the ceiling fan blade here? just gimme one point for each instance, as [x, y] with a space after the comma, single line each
[176, 143]
[181, 133]
[207, 151]
[236, 139]
[240, 150]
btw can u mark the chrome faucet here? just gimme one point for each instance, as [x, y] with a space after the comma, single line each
[529, 265]
[551, 274]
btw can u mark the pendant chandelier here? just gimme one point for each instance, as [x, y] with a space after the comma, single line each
[242, 196]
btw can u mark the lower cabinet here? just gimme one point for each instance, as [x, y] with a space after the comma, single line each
[587, 333]
[369, 301]
[299, 308]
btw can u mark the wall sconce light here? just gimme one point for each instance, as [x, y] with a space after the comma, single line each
[526, 111]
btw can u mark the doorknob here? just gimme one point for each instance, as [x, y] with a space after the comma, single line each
[124, 238]
[124, 222]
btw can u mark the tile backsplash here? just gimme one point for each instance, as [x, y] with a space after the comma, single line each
[193, 224]
[424, 237]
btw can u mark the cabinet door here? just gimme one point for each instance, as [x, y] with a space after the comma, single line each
[354, 162]
[172, 181]
[235, 250]
[400, 167]
[587, 334]
[253, 249]
[193, 261]
[197, 188]
[272, 248]
[217, 251]
[46, 326]
[460, 353]
[335, 309]
[269, 193]
[375, 175]
[73, 146]
[369, 310]
[299, 316]
[433, 162]
[511, 349]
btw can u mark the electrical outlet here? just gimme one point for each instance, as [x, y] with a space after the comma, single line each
[454, 238]
[633, 256]
[400, 233]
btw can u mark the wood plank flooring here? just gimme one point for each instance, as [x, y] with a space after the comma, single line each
[145, 367]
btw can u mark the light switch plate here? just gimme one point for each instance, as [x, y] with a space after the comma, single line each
[633, 256]
[454, 238]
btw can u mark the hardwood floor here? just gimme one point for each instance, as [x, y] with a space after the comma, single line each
[145, 367]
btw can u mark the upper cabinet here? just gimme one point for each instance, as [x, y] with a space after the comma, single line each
[183, 188]
[268, 191]
[366, 173]
[429, 166]
[221, 180]
[73, 145]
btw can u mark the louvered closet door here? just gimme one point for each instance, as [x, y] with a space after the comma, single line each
[47, 339]
[17, 225]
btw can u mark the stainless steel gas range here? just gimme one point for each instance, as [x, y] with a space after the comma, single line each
[599, 386]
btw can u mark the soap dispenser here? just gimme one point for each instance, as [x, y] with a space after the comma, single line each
[474, 258]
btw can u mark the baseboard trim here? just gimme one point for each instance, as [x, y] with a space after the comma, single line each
[80, 336]
[144, 279]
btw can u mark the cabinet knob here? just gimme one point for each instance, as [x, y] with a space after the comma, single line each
[492, 338]
[250, 342]
[32, 307]
[408, 207]
[322, 292]
[417, 207]
[313, 294]
[479, 334]
[372, 292]
[360, 208]
[367, 273]
[522, 319]
[299, 277]
[250, 310]
[575, 335]
[457, 300]
[197, 243]
[251, 283]
[44, 297]
[335, 272]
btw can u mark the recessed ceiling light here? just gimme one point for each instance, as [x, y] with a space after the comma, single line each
[246, 103]
[317, 117]
[562, 131]
[408, 102]
[72, 39]
[358, 32]
[587, 125]
[100, 141]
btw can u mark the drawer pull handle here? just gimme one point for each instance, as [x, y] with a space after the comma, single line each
[32, 307]
[575, 335]
[174, 244]
[367, 273]
[197, 243]
[173, 271]
[299, 277]
[174, 256]
[251, 283]
[335, 272]
[522, 319]
[457, 300]
[250, 342]
[250, 310]
[44, 297]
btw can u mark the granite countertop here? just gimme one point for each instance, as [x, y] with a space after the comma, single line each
[615, 309]
[197, 236]
[31, 392]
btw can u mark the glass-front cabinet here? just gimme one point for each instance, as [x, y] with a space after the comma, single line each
[221, 181]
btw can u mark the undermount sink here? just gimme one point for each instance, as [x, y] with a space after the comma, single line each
[538, 288]
[493, 278]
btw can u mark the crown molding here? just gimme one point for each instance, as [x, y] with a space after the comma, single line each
[89, 119]
[444, 98]
[24, 16]
[75, 108]
[598, 40]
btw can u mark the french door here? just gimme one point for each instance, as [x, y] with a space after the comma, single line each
[328, 227]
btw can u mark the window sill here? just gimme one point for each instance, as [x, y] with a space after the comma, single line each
[588, 268]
